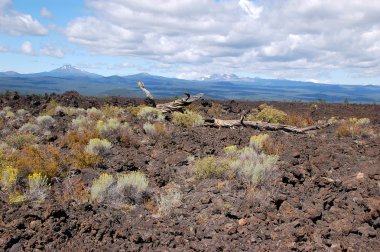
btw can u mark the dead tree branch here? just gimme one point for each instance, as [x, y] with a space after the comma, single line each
[262, 125]
[176, 105]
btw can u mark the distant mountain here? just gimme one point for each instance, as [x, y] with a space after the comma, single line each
[70, 71]
[9, 74]
[216, 86]
[66, 71]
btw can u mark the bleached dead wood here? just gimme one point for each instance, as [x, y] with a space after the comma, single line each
[146, 91]
[176, 105]
[262, 125]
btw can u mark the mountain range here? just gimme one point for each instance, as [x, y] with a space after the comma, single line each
[216, 86]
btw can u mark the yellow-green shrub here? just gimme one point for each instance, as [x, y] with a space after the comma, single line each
[133, 179]
[111, 111]
[256, 141]
[155, 130]
[81, 159]
[51, 108]
[46, 160]
[208, 167]
[94, 113]
[45, 121]
[73, 139]
[254, 165]
[134, 110]
[230, 150]
[98, 146]
[151, 114]
[8, 178]
[100, 186]
[20, 140]
[82, 123]
[16, 197]
[271, 115]
[216, 110]
[111, 128]
[187, 119]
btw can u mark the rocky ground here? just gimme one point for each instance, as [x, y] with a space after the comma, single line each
[325, 195]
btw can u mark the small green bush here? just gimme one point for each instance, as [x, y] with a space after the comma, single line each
[99, 187]
[134, 110]
[45, 121]
[82, 123]
[94, 113]
[253, 165]
[256, 141]
[118, 191]
[133, 179]
[187, 119]
[208, 167]
[110, 129]
[30, 128]
[271, 115]
[22, 112]
[112, 111]
[98, 146]
[151, 114]
[20, 140]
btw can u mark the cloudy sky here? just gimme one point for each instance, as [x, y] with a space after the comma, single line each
[319, 40]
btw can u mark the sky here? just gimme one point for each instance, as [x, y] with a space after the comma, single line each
[316, 40]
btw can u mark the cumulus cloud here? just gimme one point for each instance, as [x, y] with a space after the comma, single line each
[3, 3]
[44, 12]
[250, 8]
[285, 38]
[15, 23]
[3, 48]
[27, 48]
[48, 50]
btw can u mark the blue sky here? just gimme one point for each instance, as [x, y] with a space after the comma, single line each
[316, 40]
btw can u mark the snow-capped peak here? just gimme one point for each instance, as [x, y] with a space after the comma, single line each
[220, 77]
[69, 68]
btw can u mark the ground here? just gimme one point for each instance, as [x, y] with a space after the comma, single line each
[324, 196]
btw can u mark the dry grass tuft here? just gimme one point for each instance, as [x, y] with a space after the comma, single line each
[299, 120]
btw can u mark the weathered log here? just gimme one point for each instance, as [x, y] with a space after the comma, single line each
[262, 125]
[146, 91]
[176, 105]
[179, 104]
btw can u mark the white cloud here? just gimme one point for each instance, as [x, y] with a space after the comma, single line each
[250, 8]
[3, 48]
[44, 12]
[3, 3]
[189, 75]
[16, 23]
[27, 48]
[292, 38]
[52, 52]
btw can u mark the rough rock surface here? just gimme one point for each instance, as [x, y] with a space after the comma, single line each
[326, 198]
